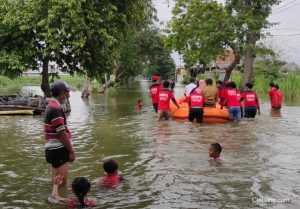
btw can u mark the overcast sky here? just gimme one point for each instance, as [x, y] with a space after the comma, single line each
[286, 35]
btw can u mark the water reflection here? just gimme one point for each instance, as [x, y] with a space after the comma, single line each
[165, 164]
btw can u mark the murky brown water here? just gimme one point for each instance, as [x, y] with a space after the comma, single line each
[165, 163]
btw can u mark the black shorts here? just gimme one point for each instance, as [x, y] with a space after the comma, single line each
[250, 112]
[57, 157]
[155, 107]
[196, 113]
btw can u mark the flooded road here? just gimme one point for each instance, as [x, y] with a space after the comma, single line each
[165, 164]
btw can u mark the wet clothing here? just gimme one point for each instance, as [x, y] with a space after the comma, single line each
[54, 124]
[74, 203]
[154, 92]
[276, 98]
[57, 157]
[251, 104]
[111, 180]
[235, 113]
[196, 113]
[211, 95]
[232, 97]
[196, 103]
[250, 112]
[165, 95]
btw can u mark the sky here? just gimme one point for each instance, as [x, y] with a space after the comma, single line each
[285, 35]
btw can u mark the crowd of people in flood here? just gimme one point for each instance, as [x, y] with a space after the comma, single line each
[203, 93]
[59, 151]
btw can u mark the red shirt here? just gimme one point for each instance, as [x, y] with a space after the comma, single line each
[276, 98]
[165, 96]
[154, 92]
[232, 97]
[111, 180]
[196, 99]
[250, 99]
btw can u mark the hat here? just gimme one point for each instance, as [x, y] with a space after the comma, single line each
[58, 87]
[155, 77]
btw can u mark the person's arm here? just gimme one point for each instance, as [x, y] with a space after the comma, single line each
[257, 102]
[174, 100]
[64, 139]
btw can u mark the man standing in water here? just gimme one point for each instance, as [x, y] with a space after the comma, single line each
[58, 148]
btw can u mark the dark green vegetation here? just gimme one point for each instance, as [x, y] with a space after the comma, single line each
[88, 37]
[201, 30]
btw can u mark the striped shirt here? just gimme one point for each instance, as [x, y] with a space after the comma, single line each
[55, 123]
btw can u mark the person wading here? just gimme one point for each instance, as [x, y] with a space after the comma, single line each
[58, 148]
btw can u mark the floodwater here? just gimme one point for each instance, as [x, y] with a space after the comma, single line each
[165, 164]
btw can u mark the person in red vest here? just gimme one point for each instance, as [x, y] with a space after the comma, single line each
[276, 98]
[232, 101]
[196, 102]
[271, 89]
[165, 95]
[154, 91]
[251, 102]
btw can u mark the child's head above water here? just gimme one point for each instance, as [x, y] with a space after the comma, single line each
[110, 166]
[81, 186]
[215, 150]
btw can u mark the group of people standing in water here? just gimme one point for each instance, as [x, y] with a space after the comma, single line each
[204, 93]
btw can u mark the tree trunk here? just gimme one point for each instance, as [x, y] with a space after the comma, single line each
[45, 86]
[248, 75]
[230, 68]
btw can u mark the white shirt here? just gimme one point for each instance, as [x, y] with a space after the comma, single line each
[189, 88]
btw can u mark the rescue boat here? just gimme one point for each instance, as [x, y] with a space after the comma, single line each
[211, 114]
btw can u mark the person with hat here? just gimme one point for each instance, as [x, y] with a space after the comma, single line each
[58, 147]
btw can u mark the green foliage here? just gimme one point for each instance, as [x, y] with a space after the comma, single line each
[202, 29]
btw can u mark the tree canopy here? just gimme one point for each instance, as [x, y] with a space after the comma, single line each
[202, 29]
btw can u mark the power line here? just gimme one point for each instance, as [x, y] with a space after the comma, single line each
[285, 5]
[286, 8]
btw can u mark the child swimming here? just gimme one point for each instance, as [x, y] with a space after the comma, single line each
[112, 177]
[214, 151]
[80, 187]
[139, 105]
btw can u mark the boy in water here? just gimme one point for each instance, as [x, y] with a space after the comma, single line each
[139, 105]
[251, 102]
[165, 95]
[214, 151]
[276, 98]
[112, 177]
[154, 91]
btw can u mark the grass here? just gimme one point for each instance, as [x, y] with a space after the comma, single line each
[8, 85]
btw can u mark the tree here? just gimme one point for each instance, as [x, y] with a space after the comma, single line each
[202, 29]
[80, 36]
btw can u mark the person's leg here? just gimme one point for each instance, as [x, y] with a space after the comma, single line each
[238, 114]
[200, 115]
[155, 107]
[231, 113]
[191, 118]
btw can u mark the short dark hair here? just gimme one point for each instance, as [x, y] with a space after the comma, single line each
[110, 166]
[216, 147]
[276, 86]
[209, 82]
[271, 84]
[166, 84]
[59, 87]
[192, 80]
[249, 85]
[231, 85]
[220, 82]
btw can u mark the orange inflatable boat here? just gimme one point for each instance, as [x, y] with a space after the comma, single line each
[211, 114]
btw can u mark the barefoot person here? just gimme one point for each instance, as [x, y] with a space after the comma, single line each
[58, 148]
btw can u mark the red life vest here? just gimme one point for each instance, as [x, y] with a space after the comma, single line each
[165, 96]
[250, 99]
[154, 92]
[196, 99]
[233, 97]
[111, 180]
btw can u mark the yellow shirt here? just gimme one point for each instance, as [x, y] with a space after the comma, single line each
[210, 94]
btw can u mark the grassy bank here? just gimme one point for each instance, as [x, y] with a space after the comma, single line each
[14, 85]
